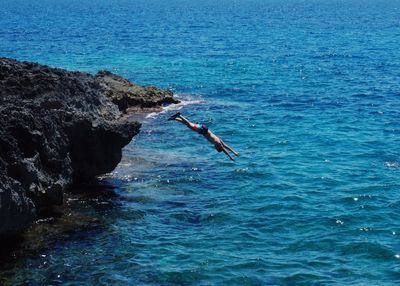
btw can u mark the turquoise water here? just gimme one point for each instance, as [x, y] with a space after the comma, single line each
[308, 92]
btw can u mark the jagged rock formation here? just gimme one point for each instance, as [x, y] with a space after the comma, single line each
[126, 94]
[57, 128]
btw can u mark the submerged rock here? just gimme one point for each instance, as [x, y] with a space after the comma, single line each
[59, 127]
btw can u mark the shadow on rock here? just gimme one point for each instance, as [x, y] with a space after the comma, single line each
[82, 211]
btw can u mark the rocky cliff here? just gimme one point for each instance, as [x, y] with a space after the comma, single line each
[57, 128]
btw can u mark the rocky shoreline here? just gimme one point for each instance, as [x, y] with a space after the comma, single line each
[60, 128]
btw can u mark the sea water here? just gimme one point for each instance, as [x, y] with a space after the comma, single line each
[307, 91]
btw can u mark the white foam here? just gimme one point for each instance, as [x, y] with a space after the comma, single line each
[185, 99]
[392, 164]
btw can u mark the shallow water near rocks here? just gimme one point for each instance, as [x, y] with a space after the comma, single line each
[306, 91]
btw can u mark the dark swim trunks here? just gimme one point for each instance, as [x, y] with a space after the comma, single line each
[201, 129]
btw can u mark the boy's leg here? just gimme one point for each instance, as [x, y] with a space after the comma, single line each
[230, 149]
[227, 154]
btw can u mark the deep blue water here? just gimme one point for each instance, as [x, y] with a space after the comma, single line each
[307, 91]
